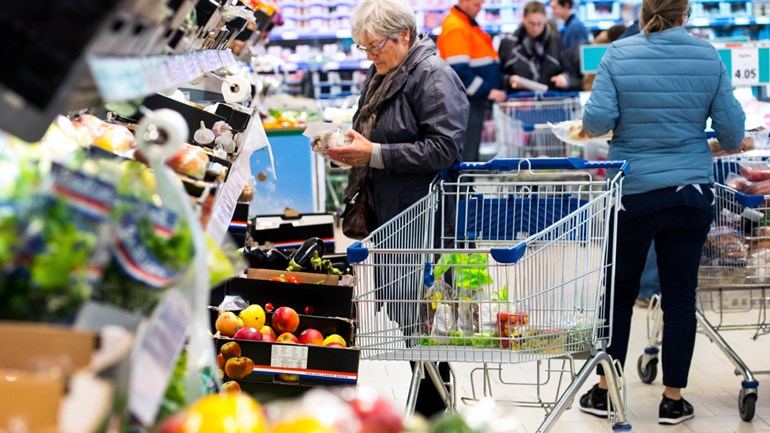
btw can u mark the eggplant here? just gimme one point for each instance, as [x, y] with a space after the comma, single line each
[256, 257]
[300, 259]
[276, 259]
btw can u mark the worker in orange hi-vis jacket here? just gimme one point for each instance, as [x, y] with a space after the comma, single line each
[468, 49]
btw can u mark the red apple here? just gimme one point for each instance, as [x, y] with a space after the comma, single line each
[334, 344]
[288, 338]
[284, 377]
[285, 319]
[238, 368]
[248, 334]
[230, 386]
[228, 323]
[231, 349]
[267, 333]
[311, 336]
[172, 423]
[376, 413]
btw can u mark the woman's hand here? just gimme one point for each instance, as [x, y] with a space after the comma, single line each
[513, 81]
[560, 81]
[357, 153]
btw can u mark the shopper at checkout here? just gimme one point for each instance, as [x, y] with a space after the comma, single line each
[409, 124]
[655, 91]
[535, 52]
[469, 50]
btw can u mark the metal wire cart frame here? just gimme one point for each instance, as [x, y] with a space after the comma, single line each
[521, 124]
[734, 275]
[497, 264]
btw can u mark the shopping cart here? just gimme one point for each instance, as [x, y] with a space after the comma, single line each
[521, 124]
[734, 276]
[499, 263]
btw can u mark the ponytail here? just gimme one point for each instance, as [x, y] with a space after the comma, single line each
[659, 15]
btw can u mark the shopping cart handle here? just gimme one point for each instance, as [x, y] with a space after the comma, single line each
[547, 94]
[515, 164]
[509, 256]
[357, 253]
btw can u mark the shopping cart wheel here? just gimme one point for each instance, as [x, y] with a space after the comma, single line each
[747, 403]
[648, 372]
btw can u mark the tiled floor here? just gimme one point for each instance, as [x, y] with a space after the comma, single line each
[713, 389]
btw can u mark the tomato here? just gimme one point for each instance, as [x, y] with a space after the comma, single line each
[293, 279]
[269, 307]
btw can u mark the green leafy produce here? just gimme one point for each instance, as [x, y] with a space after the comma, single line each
[470, 270]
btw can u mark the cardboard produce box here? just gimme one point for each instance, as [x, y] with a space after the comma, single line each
[48, 379]
[293, 364]
[324, 299]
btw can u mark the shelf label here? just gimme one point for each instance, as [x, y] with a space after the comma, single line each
[155, 356]
[288, 356]
[745, 66]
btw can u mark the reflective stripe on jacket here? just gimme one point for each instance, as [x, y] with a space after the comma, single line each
[469, 50]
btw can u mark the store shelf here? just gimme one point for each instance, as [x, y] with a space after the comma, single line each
[124, 78]
[345, 65]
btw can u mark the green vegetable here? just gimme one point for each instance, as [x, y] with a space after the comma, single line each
[294, 267]
[316, 262]
[470, 270]
[329, 268]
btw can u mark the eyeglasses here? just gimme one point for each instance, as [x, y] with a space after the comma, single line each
[687, 15]
[375, 51]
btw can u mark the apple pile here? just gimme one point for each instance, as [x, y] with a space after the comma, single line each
[249, 324]
[230, 362]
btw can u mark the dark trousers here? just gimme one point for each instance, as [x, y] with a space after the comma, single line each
[472, 138]
[679, 234]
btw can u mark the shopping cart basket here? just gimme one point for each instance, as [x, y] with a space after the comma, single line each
[521, 124]
[734, 275]
[497, 264]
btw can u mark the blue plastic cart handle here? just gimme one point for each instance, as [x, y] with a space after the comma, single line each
[358, 253]
[550, 94]
[515, 164]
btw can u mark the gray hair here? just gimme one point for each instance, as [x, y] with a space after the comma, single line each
[383, 18]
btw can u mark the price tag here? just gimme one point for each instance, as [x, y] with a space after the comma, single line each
[745, 66]
[155, 356]
[284, 355]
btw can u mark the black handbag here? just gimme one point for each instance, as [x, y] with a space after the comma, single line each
[359, 218]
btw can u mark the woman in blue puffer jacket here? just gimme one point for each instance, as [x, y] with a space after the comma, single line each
[655, 91]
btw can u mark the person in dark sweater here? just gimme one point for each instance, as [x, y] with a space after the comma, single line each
[536, 53]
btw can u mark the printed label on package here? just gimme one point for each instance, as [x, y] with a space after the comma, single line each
[91, 196]
[288, 356]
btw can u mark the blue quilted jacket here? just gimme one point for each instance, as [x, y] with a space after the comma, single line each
[656, 92]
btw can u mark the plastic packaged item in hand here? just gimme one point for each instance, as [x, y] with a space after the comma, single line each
[737, 182]
[325, 135]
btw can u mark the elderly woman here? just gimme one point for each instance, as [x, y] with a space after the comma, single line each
[409, 125]
[411, 115]
[535, 52]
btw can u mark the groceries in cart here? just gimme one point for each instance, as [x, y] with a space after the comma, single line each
[325, 135]
[755, 138]
[572, 133]
[464, 307]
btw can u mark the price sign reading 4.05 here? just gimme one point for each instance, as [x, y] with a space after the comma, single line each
[745, 66]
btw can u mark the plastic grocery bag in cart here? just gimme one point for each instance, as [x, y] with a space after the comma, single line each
[571, 131]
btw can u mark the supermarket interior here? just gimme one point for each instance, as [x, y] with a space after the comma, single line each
[276, 222]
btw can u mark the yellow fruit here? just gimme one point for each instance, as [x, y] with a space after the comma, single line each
[253, 316]
[231, 413]
[301, 425]
[334, 338]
